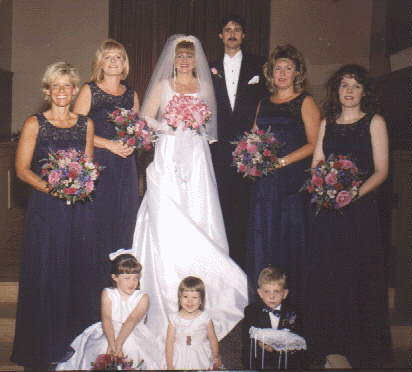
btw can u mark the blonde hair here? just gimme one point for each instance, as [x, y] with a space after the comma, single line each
[191, 283]
[286, 51]
[107, 45]
[56, 70]
[272, 274]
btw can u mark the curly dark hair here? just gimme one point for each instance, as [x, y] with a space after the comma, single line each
[332, 107]
[290, 52]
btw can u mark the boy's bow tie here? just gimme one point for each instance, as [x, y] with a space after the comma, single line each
[275, 312]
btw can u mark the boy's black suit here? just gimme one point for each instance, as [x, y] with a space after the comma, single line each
[256, 316]
[233, 189]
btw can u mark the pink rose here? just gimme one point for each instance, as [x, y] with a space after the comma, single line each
[343, 198]
[89, 186]
[266, 152]
[54, 177]
[131, 141]
[317, 181]
[255, 172]
[252, 148]
[330, 179]
[242, 168]
[70, 190]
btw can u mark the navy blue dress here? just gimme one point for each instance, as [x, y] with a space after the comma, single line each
[276, 224]
[346, 293]
[57, 280]
[116, 200]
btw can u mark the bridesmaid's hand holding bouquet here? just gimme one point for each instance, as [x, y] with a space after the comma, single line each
[334, 183]
[131, 130]
[255, 154]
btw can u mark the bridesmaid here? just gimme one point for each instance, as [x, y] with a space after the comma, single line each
[56, 275]
[116, 200]
[276, 223]
[346, 291]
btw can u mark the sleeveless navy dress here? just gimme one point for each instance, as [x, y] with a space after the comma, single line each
[276, 223]
[116, 200]
[346, 295]
[57, 283]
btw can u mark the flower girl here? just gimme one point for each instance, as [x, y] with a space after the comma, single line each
[191, 341]
[122, 332]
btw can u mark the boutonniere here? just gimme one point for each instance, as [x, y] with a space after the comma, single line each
[215, 72]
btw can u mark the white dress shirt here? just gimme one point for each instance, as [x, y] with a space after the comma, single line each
[274, 320]
[231, 67]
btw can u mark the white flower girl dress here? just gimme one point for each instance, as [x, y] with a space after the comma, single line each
[140, 345]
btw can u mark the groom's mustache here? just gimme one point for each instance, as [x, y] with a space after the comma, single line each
[233, 39]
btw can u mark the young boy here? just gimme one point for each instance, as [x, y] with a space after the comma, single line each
[270, 312]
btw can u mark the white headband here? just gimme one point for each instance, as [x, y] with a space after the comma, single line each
[114, 255]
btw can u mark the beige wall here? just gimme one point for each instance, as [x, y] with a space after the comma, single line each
[329, 33]
[6, 19]
[44, 32]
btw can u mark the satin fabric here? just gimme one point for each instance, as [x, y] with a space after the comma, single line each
[139, 345]
[180, 232]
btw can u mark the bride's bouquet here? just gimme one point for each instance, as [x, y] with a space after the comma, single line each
[334, 183]
[131, 130]
[70, 175]
[186, 111]
[255, 154]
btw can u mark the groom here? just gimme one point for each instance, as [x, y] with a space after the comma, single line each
[239, 85]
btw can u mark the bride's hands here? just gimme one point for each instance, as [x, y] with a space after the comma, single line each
[119, 148]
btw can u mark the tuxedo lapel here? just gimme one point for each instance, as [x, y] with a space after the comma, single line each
[221, 83]
[242, 82]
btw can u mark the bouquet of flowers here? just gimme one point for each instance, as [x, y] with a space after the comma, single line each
[107, 362]
[334, 182]
[70, 175]
[255, 153]
[131, 130]
[187, 111]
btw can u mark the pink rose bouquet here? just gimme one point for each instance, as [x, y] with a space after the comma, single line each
[70, 175]
[186, 111]
[131, 130]
[255, 154]
[334, 183]
[107, 362]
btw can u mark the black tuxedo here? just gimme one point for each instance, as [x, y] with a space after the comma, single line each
[256, 317]
[233, 189]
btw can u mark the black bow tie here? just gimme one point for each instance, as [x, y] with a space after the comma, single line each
[275, 312]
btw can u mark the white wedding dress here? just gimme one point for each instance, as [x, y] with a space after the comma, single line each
[180, 231]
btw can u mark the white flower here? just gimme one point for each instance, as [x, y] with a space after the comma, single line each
[331, 193]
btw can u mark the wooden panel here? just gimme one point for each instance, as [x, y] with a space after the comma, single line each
[395, 101]
[5, 104]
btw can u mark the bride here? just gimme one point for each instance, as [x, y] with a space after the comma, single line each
[179, 229]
